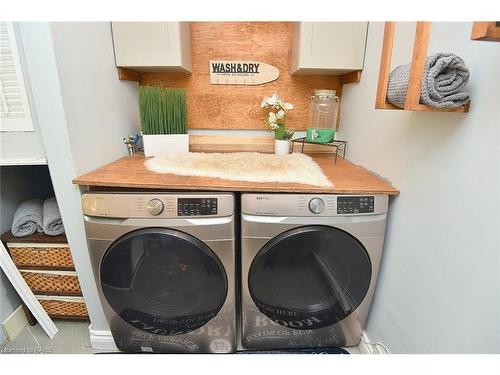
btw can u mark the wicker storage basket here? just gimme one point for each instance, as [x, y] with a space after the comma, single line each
[42, 257]
[55, 282]
[60, 307]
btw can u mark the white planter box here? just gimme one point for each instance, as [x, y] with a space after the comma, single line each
[165, 144]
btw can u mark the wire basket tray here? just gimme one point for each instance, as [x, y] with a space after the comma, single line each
[336, 144]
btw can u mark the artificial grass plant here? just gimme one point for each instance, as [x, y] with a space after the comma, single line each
[162, 110]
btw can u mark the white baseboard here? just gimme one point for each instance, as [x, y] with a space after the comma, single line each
[366, 346]
[8, 162]
[102, 341]
[14, 323]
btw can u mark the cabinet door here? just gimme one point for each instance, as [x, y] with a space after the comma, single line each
[152, 46]
[328, 47]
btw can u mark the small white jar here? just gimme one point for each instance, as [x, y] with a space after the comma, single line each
[281, 146]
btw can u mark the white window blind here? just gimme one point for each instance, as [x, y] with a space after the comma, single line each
[15, 114]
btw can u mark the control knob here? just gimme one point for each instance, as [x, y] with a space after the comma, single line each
[155, 206]
[316, 205]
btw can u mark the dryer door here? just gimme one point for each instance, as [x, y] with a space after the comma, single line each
[310, 277]
[163, 281]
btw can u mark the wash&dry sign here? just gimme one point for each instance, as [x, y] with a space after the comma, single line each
[230, 72]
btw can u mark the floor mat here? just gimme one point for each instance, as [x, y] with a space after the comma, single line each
[298, 351]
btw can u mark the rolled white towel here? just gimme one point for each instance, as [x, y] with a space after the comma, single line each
[52, 222]
[28, 218]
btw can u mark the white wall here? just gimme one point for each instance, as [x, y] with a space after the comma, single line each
[100, 109]
[84, 112]
[439, 284]
[10, 152]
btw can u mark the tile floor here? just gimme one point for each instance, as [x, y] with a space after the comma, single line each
[72, 338]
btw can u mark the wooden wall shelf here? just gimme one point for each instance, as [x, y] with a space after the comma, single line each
[420, 47]
[128, 75]
[352, 77]
[488, 31]
[132, 75]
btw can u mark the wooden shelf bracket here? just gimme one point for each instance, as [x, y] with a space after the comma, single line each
[488, 31]
[128, 75]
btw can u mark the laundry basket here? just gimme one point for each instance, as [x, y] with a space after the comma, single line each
[64, 307]
[52, 282]
[42, 256]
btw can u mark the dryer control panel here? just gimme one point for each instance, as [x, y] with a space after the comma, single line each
[317, 205]
[196, 206]
[355, 204]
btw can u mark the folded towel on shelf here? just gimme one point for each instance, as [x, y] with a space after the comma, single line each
[52, 222]
[445, 76]
[28, 218]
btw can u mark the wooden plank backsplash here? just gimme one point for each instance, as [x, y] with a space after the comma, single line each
[224, 143]
[237, 106]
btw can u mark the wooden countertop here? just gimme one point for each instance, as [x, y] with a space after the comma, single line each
[129, 172]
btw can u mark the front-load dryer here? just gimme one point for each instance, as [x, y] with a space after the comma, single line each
[164, 265]
[309, 268]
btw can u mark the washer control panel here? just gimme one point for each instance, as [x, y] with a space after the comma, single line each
[158, 205]
[355, 204]
[196, 206]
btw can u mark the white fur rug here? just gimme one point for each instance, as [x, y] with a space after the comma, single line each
[242, 166]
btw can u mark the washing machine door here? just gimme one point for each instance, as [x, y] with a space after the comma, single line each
[163, 281]
[310, 277]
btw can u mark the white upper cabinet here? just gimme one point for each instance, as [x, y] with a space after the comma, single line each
[152, 46]
[328, 47]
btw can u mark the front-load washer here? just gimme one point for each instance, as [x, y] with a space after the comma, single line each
[164, 265]
[309, 264]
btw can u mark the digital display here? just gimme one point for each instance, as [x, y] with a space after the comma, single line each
[196, 206]
[355, 205]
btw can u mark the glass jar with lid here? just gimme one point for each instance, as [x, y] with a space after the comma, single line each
[323, 110]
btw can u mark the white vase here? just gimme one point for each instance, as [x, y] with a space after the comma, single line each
[281, 146]
[165, 144]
